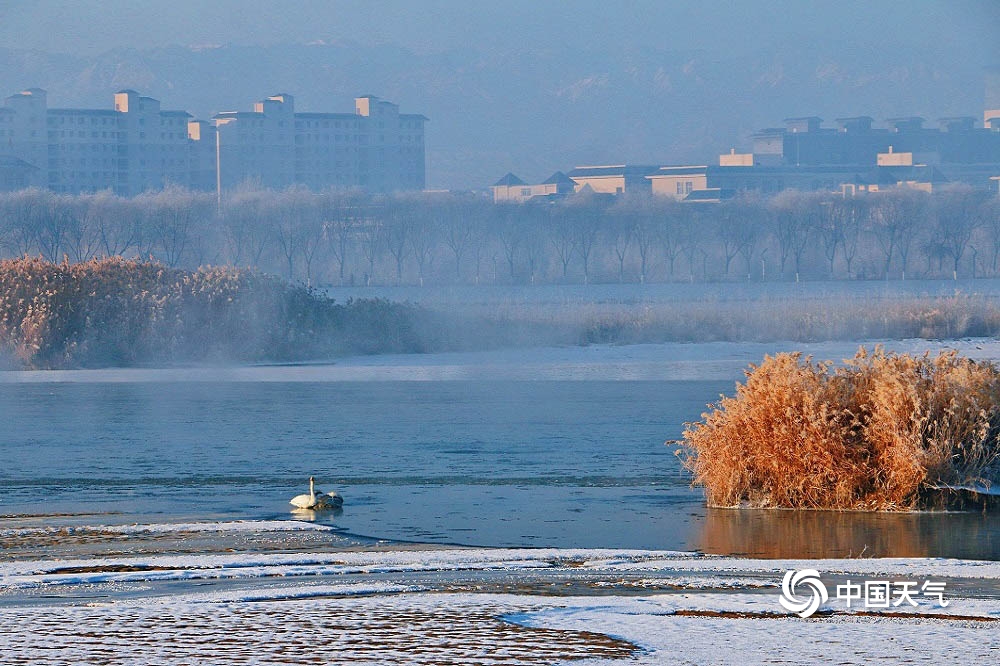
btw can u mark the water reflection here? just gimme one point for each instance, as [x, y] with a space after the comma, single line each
[793, 534]
[312, 515]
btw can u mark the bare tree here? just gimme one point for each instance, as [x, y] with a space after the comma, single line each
[296, 223]
[831, 230]
[113, 222]
[457, 230]
[587, 227]
[672, 225]
[19, 210]
[481, 240]
[424, 234]
[645, 233]
[174, 214]
[852, 215]
[620, 230]
[562, 236]
[245, 225]
[732, 230]
[793, 220]
[894, 219]
[312, 233]
[342, 214]
[58, 223]
[532, 226]
[957, 216]
[754, 221]
[83, 236]
[884, 220]
[510, 235]
[371, 237]
[690, 241]
[397, 222]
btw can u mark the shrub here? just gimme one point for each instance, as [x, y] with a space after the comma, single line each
[123, 312]
[880, 433]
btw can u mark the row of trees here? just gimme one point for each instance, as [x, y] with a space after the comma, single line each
[339, 237]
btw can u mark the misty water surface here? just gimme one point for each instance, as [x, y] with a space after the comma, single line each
[570, 463]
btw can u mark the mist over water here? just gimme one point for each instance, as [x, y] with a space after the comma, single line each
[429, 454]
[500, 462]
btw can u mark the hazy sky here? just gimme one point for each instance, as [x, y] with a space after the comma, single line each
[90, 26]
[524, 85]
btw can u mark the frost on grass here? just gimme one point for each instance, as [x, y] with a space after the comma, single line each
[884, 432]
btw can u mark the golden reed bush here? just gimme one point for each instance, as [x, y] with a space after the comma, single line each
[121, 312]
[882, 432]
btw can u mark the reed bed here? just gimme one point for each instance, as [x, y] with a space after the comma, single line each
[958, 315]
[118, 312]
[884, 432]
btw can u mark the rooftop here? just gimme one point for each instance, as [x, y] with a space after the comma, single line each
[509, 180]
[618, 170]
[86, 112]
[558, 178]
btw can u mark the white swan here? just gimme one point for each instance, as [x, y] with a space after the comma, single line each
[316, 499]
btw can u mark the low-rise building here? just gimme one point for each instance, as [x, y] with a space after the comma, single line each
[511, 189]
[960, 150]
[613, 179]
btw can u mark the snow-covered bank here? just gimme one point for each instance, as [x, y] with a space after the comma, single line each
[667, 564]
[502, 606]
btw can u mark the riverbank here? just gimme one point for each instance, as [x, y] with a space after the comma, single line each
[501, 606]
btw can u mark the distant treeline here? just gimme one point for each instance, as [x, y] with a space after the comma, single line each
[117, 312]
[339, 237]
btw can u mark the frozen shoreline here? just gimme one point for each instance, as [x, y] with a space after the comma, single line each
[674, 606]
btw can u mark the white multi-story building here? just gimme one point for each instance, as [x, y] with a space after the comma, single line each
[137, 146]
[375, 148]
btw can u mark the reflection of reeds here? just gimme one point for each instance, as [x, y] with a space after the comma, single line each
[807, 534]
[812, 534]
[873, 435]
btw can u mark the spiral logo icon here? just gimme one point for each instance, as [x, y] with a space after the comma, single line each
[803, 607]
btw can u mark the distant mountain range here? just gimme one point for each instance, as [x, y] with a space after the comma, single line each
[531, 112]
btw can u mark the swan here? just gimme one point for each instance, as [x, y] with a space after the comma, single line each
[316, 499]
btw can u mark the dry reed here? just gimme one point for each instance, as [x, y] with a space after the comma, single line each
[879, 433]
[119, 312]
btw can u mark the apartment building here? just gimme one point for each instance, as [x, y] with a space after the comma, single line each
[376, 148]
[137, 146]
[131, 148]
